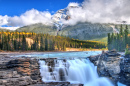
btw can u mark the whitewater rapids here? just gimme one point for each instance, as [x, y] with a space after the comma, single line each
[77, 70]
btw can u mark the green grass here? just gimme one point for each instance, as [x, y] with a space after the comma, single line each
[127, 51]
[104, 39]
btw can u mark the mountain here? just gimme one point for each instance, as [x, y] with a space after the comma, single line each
[4, 29]
[81, 31]
[86, 31]
[39, 28]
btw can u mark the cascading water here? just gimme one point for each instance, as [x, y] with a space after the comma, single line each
[71, 70]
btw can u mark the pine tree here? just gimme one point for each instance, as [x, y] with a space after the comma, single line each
[12, 40]
[109, 41]
[46, 44]
[37, 44]
[0, 41]
[121, 30]
[64, 46]
[126, 35]
[5, 45]
[58, 46]
[42, 44]
[24, 46]
[8, 39]
[19, 43]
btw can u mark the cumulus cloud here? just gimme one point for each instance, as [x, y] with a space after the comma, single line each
[29, 17]
[73, 4]
[95, 11]
[99, 11]
[3, 20]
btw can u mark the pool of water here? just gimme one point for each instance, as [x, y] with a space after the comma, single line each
[62, 54]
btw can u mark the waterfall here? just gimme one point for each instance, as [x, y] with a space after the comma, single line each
[71, 70]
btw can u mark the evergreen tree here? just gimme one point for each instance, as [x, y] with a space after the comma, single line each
[19, 43]
[24, 45]
[12, 40]
[46, 44]
[126, 35]
[58, 46]
[64, 46]
[0, 41]
[109, 41]
[42, 44]
[121, 30]
[37, 44]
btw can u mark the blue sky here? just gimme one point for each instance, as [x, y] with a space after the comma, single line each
[17, 7]
[18, 13]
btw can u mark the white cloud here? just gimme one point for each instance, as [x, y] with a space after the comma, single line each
[9, 28]
[95, 11]
[100, 11]
[73, 4]
[29, 17]
[3, 20]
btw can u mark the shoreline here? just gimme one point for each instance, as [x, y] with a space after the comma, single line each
[47, 52]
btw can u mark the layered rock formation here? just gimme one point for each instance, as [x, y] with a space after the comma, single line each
[23, 71]
[19, 72]
[125, 70]
[111, 65]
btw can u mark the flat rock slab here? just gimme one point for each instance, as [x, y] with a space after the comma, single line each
[56, 85]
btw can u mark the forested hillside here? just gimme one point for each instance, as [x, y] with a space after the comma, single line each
[15, 41]
[39, 28]
[119, 41]
[81, 31]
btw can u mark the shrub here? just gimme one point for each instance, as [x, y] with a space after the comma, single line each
[127, 51]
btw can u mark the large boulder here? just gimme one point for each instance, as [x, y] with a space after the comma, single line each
[125, 70]
[108, 65]
[19, 71]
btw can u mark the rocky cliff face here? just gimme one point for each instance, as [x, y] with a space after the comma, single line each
[81, 30]
[23, 71]
[39, 28]
[125, 70]
[19, 72]
[86, 31]
[109, 64]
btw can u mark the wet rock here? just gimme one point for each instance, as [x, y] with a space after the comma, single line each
[125, 70]
[108, 65]
[19, 72]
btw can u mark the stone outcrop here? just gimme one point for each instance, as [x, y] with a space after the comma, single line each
[110, 64]
[23, 71]
[125, 70]
[19, 72]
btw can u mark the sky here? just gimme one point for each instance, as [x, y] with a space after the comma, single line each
[17, 7]
[19, 13]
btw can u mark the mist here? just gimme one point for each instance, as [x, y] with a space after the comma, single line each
[95, 11]
[99, 11]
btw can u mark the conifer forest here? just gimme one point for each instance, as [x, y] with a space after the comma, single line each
[119, 41]
[29, 41]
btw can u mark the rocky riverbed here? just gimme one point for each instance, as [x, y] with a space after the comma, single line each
[19, 71]
[114, 66]
[23, 71]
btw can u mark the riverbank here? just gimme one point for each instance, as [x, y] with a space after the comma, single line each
[24, 71]
[43, 52]
[113, 65]
[84, 49]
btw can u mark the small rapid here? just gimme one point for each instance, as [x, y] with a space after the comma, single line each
[76, 70]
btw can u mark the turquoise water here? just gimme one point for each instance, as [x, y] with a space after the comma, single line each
[63, 54]
[60, 55]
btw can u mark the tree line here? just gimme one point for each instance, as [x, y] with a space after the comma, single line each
[119, 41]
[29, 41]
